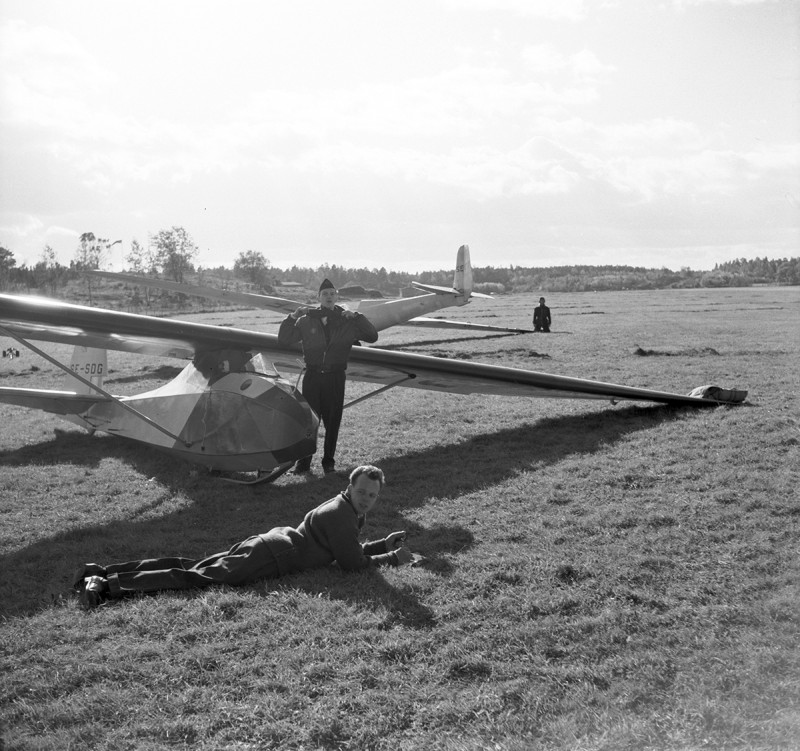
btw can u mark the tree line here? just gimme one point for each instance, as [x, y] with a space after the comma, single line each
[171, 253]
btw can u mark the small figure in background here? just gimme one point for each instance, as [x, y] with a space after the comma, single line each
[541, 317]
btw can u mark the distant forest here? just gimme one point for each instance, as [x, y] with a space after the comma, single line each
[252, 272]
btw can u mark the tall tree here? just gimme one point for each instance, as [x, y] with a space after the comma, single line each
[49, 256]
[252, 266]
[174, 251]
[7, 262]
[89, 255]
[52, 269]
[91, 251]
[141, 260]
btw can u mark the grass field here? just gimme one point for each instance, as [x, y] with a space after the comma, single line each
[600, 576]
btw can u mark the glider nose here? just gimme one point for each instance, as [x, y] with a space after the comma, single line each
[292, 425]
[250, 421]
[279, 419]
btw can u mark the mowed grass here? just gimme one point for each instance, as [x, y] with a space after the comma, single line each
[600, 576]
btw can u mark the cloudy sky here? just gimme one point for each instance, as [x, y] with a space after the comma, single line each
[382, 133]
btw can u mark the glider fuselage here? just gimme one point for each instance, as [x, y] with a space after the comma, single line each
[227, 410]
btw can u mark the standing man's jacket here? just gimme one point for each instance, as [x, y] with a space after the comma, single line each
[321, 352]
[541, 316]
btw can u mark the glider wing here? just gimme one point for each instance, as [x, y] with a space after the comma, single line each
[50, 320]
[57, 402]
[267, 302]
[466, 377]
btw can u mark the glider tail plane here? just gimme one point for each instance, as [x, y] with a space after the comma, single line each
[90, 363]
[462, 281]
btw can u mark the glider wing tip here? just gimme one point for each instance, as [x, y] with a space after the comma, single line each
[720, 395]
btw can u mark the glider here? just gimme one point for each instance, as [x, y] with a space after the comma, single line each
[405, 311]
[232, 408]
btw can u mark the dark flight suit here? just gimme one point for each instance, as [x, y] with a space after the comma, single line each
[541, 318]
[327, 338]
[328, 533]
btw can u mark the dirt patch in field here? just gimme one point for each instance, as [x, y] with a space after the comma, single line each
[522, 352]
[519, 352]
[694, 352]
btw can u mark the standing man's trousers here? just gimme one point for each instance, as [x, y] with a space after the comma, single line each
[324, 393]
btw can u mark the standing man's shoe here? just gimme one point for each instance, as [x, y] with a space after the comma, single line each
[302, 466]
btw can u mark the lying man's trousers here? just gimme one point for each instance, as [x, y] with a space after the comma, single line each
[245, 562]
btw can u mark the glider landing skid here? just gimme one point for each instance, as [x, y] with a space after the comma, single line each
[261, 476]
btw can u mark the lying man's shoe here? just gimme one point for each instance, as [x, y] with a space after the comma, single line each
[88, 569]
[93, 592]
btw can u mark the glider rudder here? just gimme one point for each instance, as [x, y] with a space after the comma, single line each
[462, 279]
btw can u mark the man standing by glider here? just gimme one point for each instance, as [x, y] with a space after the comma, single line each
[328, 533]
[327, 334]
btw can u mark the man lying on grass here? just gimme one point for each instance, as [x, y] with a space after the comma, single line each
[328, 533]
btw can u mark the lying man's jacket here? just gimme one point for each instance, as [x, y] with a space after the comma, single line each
[328, 533]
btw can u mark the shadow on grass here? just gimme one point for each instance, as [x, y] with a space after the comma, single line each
[78, 448]
[487, 459]
[372, 593]
[219, 514]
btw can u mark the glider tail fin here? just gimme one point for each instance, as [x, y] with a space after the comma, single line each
[462, 279]
[90, 363]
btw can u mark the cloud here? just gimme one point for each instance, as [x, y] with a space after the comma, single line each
[583, 66]
[567, 10]
[60, 95]
[45, 72]
[681, 4]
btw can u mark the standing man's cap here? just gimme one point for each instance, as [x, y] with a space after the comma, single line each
[326, 284]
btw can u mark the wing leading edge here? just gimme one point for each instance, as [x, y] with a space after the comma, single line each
[57, 402]
[383, 367]
[49, 320]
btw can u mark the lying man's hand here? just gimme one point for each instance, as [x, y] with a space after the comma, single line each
[404, 555]
[394, 540]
